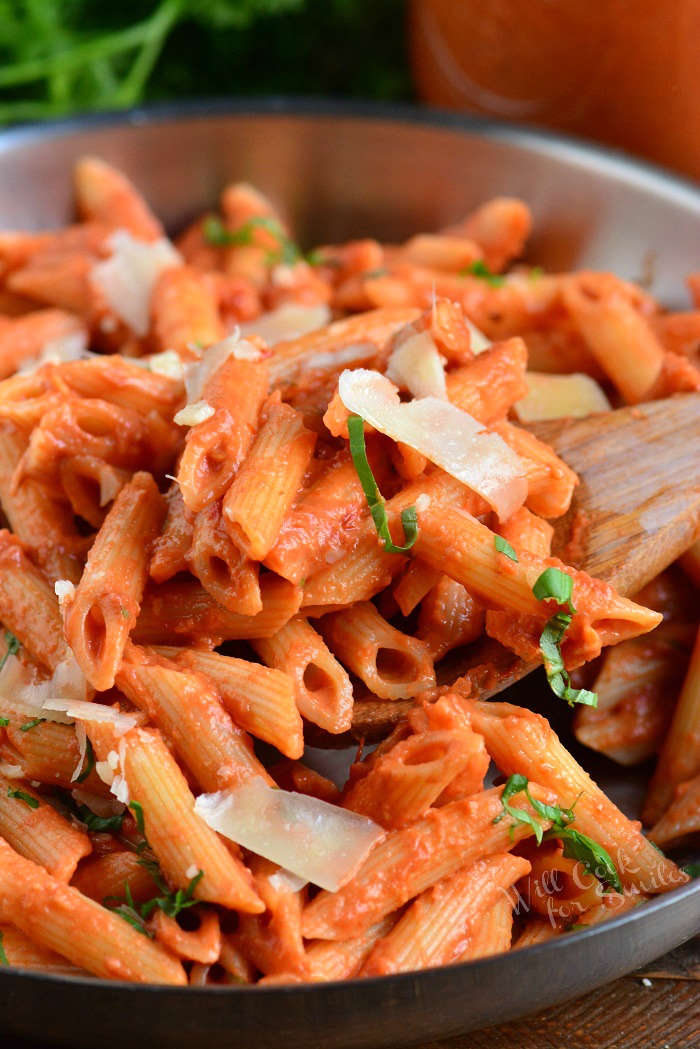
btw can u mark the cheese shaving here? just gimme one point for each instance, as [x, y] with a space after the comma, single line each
[193, 414]
[479, 342]
[93, 712]
[81, 736]
[128, 276]
[444, 434]
[416, 365]
[71, 347]
[290, 321]
[198, 373]
[312, 839]
[560, 396]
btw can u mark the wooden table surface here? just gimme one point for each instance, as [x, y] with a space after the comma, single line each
[629, 1014]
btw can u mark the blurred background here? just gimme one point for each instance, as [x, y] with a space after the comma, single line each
[624, 72]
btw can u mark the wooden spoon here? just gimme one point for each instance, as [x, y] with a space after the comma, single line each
[639, 496]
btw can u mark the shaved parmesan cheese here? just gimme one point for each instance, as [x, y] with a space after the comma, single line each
[415, 365]
[20, 691]
[319, 842]
[95, 712]
[11, 771]
[288, 322]
[111, 484]
[167, 363]
[120, 789]
[285, 881]
[105, 773]
[560, 396]
[198, 373]
[71, 347]
[64, 591]
[192, 414]
[128, 276]
[479, 342]
[444, 434]
[192, 871]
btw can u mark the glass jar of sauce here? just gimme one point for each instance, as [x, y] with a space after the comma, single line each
[625, 72]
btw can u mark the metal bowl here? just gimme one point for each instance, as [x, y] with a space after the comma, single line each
[338, 171]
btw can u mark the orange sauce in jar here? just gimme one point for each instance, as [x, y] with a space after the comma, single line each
[626, 72]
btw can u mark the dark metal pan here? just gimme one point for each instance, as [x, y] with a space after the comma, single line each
[338, 171]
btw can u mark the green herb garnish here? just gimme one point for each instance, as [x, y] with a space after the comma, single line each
[692, 869]
[171, 903]
[555, 585]
[128, 911]
[375, 501]
[478, 268]
[4, 722]
[504, 547]
[89, 763]
[13, 647]
[4, 960]
[21, 795]
[575, 845]
[215, 232]
[31, 724]
[137, 809]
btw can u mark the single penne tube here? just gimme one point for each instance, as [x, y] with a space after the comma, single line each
[679, 759]
[323, 349]
[90, 484]
[215, 448]
[449, 617]
[536, 930]
[550, 482]
[23, 338]
[184, 611]
[620, 338]
[436, 928]
[23, 953]
[321, 524]
[61, 280]
[224, 568]
[182, 842]
[28, 605]
[58, 917]
[392, 665]
[439, 251]
[104, 194]
[408, 861]
[296, 776]
[500, 227]
[259, 699]
[106, 603]
[36, 830]
[120, 381]
[108, 877]
[184, 312]
[342, 959]
[490, 385]
[404, 782]
[171, 547]
[41, 521]
[50, 753]
[269, 480]
[491, 933]
[681, 818]
[187, 709]
[413, 584]
[522, 742]
[629, 733]
[322, 688]
[454, 541]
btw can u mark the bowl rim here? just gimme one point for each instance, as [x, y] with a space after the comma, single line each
[614, 162]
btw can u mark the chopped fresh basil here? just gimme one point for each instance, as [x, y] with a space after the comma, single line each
[137, 809]
[692, 869]
[575, 845]
[215, 232]
[478, 268]
[555, 585]
[171, 903]
[375, 502]
[4, 960]
[4, 722]
[504, 547]
[21, 795]
[13, 647]
[89, 763]
[31, 724]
